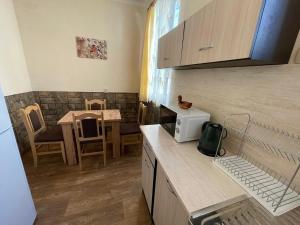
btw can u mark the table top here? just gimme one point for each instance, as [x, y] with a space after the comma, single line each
[110, 115]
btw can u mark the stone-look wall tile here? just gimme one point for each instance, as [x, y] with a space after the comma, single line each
[87, 95]
[14, 103]
[98, 95]
[59, 103]
[110, 98]
[55, 104]
[61, 97]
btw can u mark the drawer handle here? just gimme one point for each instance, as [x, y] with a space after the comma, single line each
[166, 58]
[205, 48]
[170, 188]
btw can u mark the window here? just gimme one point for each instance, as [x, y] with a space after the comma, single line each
[165, 19]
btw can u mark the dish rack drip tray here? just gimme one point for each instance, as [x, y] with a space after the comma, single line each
[270, 191]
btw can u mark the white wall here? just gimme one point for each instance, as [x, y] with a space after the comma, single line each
[14, 77]
[48, 30]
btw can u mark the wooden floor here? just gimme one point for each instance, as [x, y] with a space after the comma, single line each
[95, 196]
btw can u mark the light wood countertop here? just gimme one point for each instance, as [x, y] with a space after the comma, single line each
[200, 185]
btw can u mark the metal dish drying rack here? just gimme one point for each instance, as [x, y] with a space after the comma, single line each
[249, 212]
[275, 193]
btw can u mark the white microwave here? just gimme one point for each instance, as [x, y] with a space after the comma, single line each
[182, 124]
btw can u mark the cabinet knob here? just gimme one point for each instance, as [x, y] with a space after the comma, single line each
[205, 48]
[178, 121]
[177, 130]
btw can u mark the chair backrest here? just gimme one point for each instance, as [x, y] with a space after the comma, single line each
[142, 112]
[95, 104]
[89, 127]
[33, 120]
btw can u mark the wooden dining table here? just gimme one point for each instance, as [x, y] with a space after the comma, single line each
[111, 117]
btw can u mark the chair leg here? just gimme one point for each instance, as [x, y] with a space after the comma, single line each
[122, 146]
[34, 154]
[63, 152]
[104, 153]
[79, 154]
[80, 162]
[123, 149]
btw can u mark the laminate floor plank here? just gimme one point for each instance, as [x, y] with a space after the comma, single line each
[97, 195]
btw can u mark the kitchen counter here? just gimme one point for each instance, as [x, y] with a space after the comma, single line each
[200, 185]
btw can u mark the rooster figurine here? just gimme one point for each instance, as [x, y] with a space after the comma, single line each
[183, 104]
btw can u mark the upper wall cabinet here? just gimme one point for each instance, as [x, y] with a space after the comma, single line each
[223, 30]
[169, 48]
[239, 33]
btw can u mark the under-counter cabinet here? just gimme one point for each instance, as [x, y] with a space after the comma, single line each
[168, 209]
[228, 33]
[147, 178]
[169, 48]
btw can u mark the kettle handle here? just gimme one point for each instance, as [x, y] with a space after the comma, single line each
[205, 125]
[225, 133]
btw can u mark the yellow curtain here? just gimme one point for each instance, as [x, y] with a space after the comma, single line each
[146, 54]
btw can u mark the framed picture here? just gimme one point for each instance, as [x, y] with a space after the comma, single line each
[91, 48]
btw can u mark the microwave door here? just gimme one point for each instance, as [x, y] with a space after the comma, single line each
[168, 119]
[170, 128]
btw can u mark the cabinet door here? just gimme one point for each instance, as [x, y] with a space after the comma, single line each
[165, 200]
[170, 47]
[147, 178]
[162, 55]
[181, 215]
[221, 31]
[198, 36]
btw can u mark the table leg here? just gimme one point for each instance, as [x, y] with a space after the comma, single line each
[116, 139]
[69, 144]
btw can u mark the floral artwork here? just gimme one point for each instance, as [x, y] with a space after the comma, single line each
[91, 48]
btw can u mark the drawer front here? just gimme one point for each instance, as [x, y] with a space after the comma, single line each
[149, 151]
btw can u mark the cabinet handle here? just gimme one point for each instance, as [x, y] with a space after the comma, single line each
[170, 188]
[205, 48]
[166, 58]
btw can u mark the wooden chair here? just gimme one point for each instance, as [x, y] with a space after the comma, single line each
[39, 135]
[130, 132]
[89, 128]
[100, 104]
[95, 104]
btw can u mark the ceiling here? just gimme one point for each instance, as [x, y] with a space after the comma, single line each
[144, 3]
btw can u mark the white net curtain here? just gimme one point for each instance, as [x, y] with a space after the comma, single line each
[166, 17]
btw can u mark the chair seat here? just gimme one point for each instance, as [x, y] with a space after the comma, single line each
[129, 128]
[50, 135]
